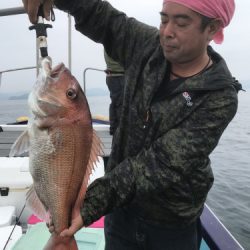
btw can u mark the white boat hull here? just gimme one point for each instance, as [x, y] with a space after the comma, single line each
[16, 178]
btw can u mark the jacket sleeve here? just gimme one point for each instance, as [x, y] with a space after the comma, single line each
[175, 155]
[104, 24]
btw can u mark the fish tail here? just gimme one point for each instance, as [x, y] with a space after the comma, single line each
[57, 242]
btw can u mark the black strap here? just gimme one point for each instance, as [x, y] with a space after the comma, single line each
[111, 72]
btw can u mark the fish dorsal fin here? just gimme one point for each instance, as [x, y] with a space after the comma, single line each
[33, 201]
[96, 150]
[21, 145]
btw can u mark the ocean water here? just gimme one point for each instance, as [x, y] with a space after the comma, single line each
[10, 110]
[229, 197]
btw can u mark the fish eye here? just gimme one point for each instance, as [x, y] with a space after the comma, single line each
[71, 94]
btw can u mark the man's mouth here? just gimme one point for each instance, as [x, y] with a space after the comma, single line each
[168, 47]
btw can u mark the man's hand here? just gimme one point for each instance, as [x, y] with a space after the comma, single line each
[32, 6]
[76, 224]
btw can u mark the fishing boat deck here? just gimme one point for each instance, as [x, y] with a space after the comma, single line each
[215, 235]
[9, 133]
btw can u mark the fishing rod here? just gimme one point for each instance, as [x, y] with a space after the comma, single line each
[13, 229]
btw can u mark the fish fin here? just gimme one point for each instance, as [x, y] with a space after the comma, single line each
[33, 201]
[96, 150]
[21, 145]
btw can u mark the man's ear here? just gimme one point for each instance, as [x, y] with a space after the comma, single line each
[213, 27]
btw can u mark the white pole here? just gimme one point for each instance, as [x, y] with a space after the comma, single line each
[69, 42]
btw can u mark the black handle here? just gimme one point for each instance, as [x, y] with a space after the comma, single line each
[40, 29]
[40, 11]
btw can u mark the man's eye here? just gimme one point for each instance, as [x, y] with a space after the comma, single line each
[182, 25]
[164, 21]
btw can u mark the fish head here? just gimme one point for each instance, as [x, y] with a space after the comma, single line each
[58, 95]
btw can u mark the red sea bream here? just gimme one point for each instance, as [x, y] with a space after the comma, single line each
[63, 148]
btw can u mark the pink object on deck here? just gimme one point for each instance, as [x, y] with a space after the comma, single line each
[33, 220]
[98, 224]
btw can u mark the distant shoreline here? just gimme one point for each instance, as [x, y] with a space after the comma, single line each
[90, 92]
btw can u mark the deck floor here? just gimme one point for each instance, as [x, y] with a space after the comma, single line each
[215, 234]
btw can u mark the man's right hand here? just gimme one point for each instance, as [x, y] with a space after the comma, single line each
[32, 6]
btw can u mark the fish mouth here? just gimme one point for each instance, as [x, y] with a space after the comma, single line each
[57, 70]
[41, 101]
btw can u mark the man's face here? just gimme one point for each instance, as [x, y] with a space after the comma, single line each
[181, 37]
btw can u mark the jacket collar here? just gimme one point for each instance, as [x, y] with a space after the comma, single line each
[215, 77]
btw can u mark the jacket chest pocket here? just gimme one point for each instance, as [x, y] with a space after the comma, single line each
[170, 112]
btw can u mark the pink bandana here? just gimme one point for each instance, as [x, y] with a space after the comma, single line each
[222, 9]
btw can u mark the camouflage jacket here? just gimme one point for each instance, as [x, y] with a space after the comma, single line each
[159, 166]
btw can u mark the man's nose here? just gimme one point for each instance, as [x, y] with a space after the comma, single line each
[168, 30]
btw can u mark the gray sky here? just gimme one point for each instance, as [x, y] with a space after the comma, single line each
[18, 46]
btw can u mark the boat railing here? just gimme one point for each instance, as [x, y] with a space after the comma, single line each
[20, 10]
[12, 11]
[215, 234]
[13, 70]
[84, 76]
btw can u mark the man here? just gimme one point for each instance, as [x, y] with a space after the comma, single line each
[179, 97]
[115, 83]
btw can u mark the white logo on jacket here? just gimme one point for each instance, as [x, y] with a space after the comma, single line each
[187, 98]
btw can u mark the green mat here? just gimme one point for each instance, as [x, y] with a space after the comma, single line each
[86, 238]
[38, 235]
